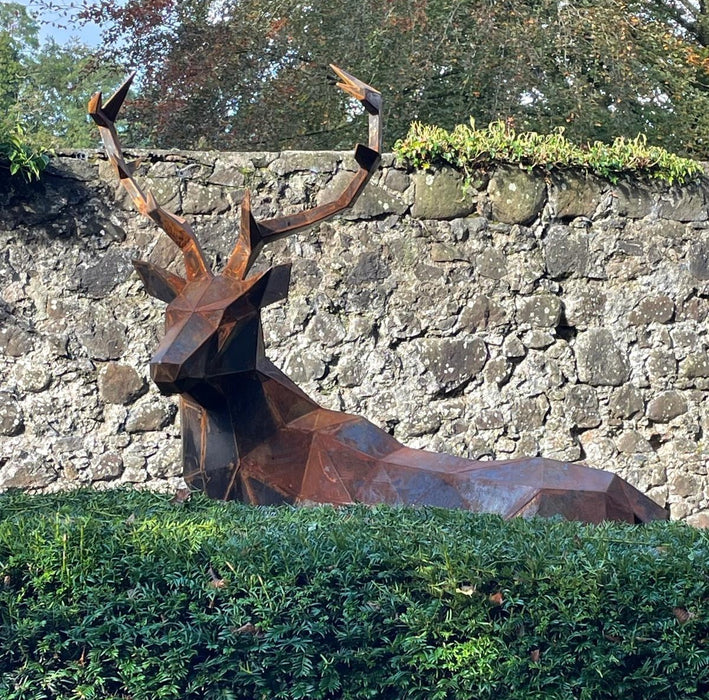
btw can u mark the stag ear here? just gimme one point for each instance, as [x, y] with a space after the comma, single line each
[159, 283]
[271, 286]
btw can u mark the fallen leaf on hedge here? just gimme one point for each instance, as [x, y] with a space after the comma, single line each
[465, 589]
[181, 496]
[534, 655]
[682, 614]
[246, 628]
[496, 598]
[217, 581]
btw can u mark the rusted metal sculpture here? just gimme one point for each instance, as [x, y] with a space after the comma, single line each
[250, 433]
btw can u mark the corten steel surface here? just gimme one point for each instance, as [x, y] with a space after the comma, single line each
[249, 433]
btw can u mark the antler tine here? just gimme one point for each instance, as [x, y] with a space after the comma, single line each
[254, 235]
[175, 226]
[248, 244]
[371, 100]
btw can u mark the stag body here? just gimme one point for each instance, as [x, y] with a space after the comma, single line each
[250, 433]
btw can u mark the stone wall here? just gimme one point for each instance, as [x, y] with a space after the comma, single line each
[561, 316]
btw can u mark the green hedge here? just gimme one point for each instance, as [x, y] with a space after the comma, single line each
[129, 595]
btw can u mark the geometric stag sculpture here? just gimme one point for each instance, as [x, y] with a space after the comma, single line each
[249, 433]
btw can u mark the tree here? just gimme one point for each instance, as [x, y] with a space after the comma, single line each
[250, 74]
[53, 98]
[45, 88]
[688, 17]
[18, 37]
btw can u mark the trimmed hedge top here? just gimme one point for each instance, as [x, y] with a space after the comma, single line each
[128, 594]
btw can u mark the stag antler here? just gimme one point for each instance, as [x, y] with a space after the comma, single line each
[254, 235]
[176, 227]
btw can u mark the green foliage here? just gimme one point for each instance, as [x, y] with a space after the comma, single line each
[467, 147]
[250, 74]
[21, 157]
[53, 97]
[45, 87]
[127, 595]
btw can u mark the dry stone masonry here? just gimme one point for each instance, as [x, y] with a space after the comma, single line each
[558, 315]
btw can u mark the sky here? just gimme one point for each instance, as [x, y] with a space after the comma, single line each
[60, 26]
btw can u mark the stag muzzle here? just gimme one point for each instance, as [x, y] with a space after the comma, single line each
[166, 376]
[180, 362]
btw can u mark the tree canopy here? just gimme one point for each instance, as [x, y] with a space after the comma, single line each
[44, 87]
[250, 74]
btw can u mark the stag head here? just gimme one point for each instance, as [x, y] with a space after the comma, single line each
[212, 322]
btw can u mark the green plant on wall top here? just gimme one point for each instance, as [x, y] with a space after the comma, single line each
[467, 148]
[20, 157]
